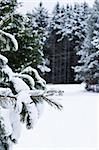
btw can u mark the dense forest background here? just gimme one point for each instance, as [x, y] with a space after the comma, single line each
[66, 41]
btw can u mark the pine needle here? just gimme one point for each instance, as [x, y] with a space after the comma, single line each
[37, 99]
[53, 103]
[11, 97]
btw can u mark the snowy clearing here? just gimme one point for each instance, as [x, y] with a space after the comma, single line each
[73, 128]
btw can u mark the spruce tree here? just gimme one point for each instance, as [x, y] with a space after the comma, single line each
[22, 96]
[15, 23]
[79, 17]
[52, 49]
[60, 48]
[87, 70]
[38, 20]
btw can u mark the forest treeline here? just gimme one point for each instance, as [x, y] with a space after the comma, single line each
[65, 40]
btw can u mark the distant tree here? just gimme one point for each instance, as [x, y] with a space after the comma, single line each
[69, 51]
[38, 20]
[52, 50]
[88, 69]
[61, 51]
[79, 17]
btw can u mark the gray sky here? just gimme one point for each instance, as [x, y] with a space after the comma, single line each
[28, 5]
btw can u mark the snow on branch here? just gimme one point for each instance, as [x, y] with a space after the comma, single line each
[22, 100]
[3, 59]
[37, 98]
[22, 96]
[14, 41]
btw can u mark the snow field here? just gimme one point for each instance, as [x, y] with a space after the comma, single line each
[73, 128]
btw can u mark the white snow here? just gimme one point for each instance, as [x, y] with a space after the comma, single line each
[19, 84]
[14, 41]
[8, 71]
[5, 60]
[33, 112]
[15, 124]
[37, 77]
[44, 68]
[5, 122]
[29, 78]
[73, 128]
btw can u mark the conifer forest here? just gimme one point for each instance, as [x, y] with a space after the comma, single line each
[42, 48]
[62, 45]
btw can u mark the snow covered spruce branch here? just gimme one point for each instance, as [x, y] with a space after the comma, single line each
[36, 99]
[22, 97]
[12, 38]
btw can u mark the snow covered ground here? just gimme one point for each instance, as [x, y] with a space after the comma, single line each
[73, 128]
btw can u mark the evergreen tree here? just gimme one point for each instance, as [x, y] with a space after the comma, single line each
[88, 71]
[7, 12]
[21, 99]
[28, 40]
[55, 22]
[29, 46]
[38, 20]
[60, 49]
[67, 19]
[79, 17]
[68, 49]
[52, 50]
